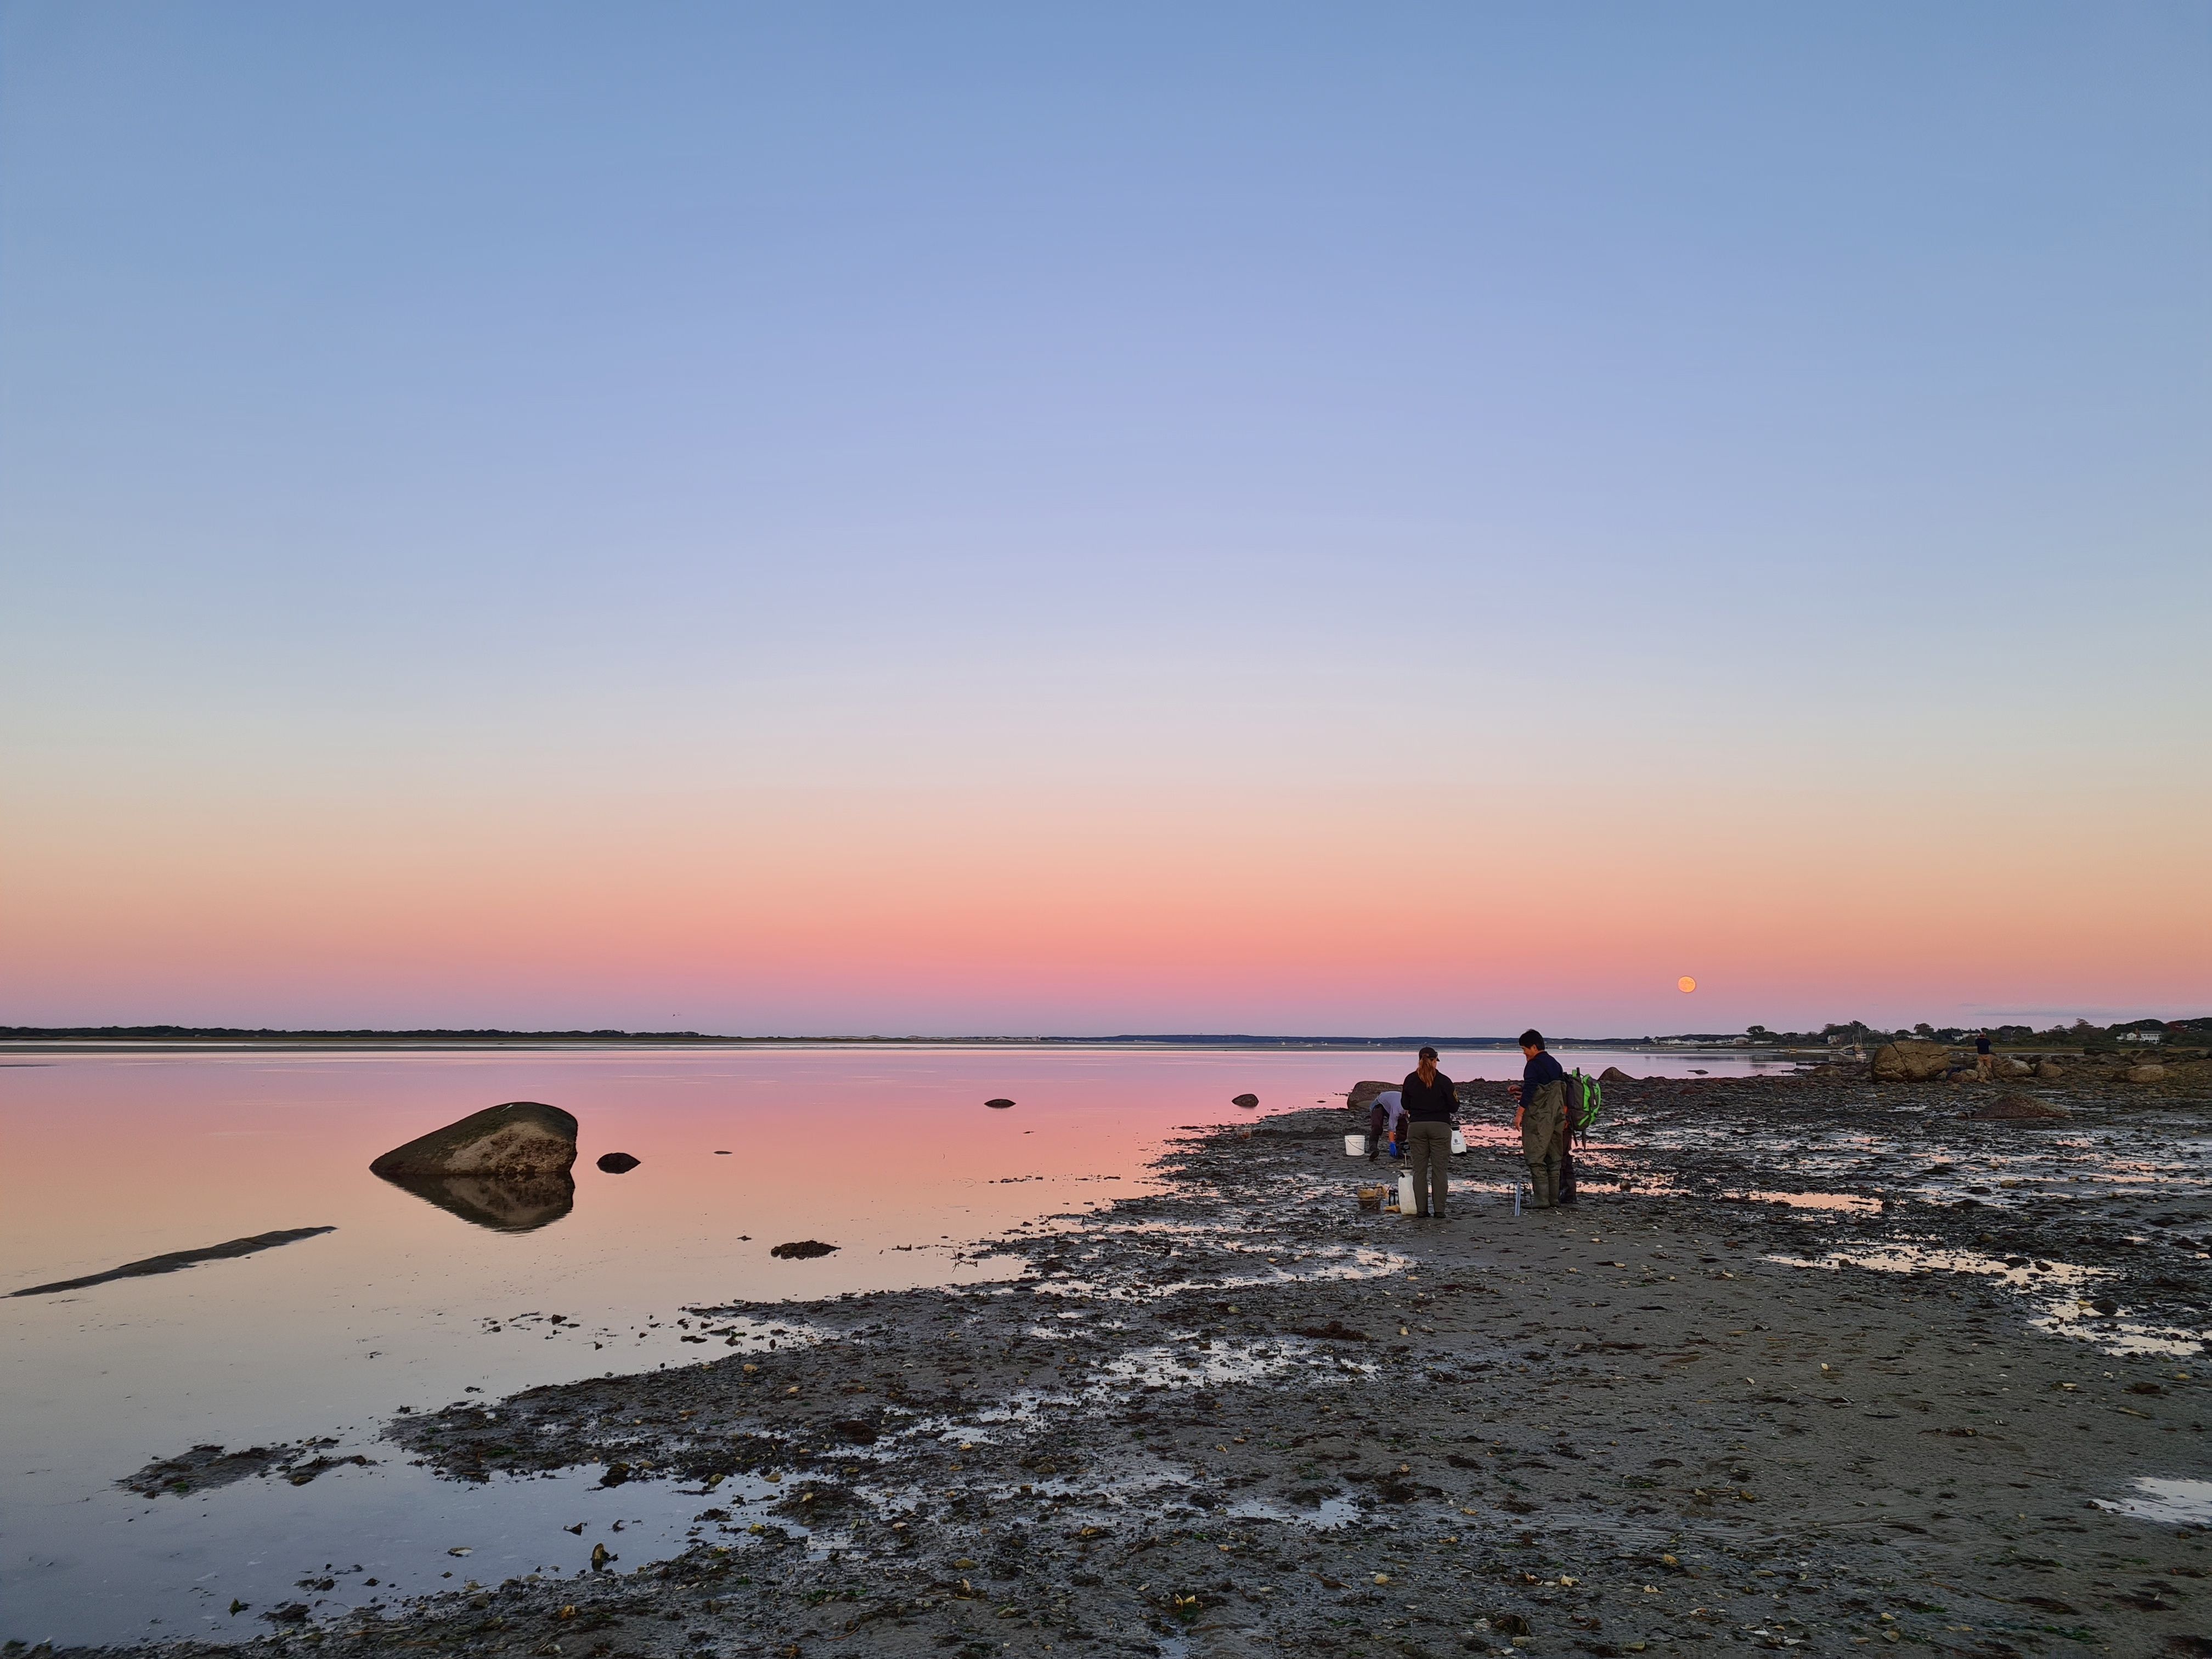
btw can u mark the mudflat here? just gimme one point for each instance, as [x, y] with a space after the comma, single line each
[1815, 1363]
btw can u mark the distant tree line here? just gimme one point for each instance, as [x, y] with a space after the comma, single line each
[2081, 1032]
[263, 1034]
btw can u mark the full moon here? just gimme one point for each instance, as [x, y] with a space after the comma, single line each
[1686, 985]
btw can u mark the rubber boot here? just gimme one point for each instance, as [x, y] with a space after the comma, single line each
[1546, 1174]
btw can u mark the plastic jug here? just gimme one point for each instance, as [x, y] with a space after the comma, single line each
[1459, 1143]
[1407, 1204]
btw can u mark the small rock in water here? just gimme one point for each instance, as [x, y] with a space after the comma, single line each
[617, 1163]
[999, 1104]
[1246, 1101]
[802, 1249]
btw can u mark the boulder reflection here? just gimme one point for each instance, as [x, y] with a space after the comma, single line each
[507, 1206]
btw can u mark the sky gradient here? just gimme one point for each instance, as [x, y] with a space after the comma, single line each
[981, 519]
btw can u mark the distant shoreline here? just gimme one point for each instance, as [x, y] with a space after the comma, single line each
[142, 1039]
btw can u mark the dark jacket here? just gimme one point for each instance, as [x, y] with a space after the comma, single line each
[1429, 1102]
[1537, 1072]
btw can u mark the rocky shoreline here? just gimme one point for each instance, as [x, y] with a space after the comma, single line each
[1817, 1363]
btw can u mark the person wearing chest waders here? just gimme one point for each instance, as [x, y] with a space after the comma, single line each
[1430, 1098]
[1542, 1119]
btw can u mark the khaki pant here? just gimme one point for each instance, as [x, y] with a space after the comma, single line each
[1428, 1152]
[1543, 1140]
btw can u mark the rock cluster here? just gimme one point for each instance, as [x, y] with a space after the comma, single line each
[1911, 1060]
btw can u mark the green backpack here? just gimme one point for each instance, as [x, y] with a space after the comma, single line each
[1585, 1100]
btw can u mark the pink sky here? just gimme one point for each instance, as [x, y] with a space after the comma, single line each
[848, 911]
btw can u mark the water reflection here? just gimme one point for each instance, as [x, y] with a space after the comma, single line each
[506, 1207]
[2184, 1503]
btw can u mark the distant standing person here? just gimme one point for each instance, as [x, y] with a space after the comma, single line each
[1431, 1099]
[1985, 1062]
[1542, 1118]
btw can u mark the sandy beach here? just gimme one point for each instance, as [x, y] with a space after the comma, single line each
[1816, 1363]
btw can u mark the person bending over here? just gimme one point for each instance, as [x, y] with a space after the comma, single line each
[1542, 1118]
[1384, 1123]
[1431, 1100]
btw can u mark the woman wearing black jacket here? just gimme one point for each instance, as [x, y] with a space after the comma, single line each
[1431, 1099]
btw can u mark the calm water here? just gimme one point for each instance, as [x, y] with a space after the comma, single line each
[889, 1154]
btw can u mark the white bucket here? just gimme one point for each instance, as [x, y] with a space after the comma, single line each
[1407, 1204]
[1459, 1143]
[1355, 1145]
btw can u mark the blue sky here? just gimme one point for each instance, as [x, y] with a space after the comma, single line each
[460, 406]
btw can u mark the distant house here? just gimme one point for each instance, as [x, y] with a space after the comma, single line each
[2142, 1037]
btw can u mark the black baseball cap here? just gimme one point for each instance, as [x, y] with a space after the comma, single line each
[1427, 1054]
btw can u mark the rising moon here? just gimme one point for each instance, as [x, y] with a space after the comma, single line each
[1686, 985]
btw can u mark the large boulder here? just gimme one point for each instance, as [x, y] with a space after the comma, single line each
[521, 1141]
[2145, 1074]
[1614, 1075]
[1911, 1062]
[2048, 1071]
[1363, 1095]
[2006, 1067]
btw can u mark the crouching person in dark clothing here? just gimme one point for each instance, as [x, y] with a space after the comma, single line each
[1542, 1119]
[1431, 1100]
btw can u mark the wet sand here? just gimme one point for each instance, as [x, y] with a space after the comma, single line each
[1243, 1416]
